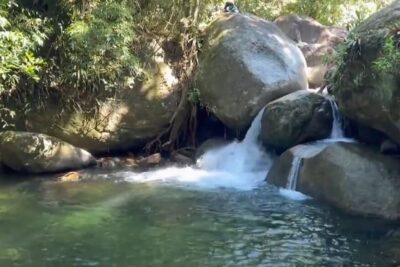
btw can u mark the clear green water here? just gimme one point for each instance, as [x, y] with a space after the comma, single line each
[101, 222]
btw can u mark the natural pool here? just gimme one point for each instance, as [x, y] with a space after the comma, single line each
[104, 221]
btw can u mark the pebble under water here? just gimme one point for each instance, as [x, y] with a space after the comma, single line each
[103, 222]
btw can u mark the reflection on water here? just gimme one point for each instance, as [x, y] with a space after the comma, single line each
[106, 223]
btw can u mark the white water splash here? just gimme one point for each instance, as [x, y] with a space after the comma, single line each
[293, 195]
[238, 165]
[239, 157]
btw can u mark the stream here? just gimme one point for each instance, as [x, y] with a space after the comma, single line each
[220, 212]
[102, 222]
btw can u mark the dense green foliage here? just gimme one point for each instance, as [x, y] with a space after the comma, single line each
[21, 36]
[80, 46]
[95, 49]
[95, 39]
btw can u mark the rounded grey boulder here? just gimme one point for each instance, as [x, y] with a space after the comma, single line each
[39, 153]
[296, 118]
[247, 62]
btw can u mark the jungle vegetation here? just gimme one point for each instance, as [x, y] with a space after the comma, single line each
[78, 48]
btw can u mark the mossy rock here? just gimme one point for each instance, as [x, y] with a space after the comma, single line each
[365, 94]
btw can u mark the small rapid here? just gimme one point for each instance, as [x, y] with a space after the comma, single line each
[238, 165]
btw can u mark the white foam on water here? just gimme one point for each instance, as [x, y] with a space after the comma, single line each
[293, 195]
[197, 178]
[238, 165]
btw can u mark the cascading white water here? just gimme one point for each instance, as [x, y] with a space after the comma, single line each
[294, 173]
[299, 153]
[337, 124]
[238, 165]
[239, 157]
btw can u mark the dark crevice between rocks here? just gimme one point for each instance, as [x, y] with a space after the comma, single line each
[209, 126]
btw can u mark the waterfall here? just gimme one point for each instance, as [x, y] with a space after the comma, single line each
[238, 165]
[337, 125]
[294, 173]
[238, 157]
[299, 153]
[307, 150]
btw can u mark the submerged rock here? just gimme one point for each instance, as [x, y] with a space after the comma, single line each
[315, 41]
[364, 93]
[131, 162]
[181, 158]
[296, 118]
[39, 153]
[70, 177]
[247, 62]
[350, 176]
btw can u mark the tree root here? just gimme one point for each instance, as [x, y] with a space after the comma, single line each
[183, 123]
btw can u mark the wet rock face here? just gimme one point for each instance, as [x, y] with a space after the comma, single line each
[246, 63]
[315, 41]
[38, 153]
[365, 95]
[296, 118]
[349, 176]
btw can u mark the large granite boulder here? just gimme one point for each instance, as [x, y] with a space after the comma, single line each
[110, 121]
[39, 153]
[246, 63]
[364, 93]
[315, 41]
[352, 177]
[296, 118]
